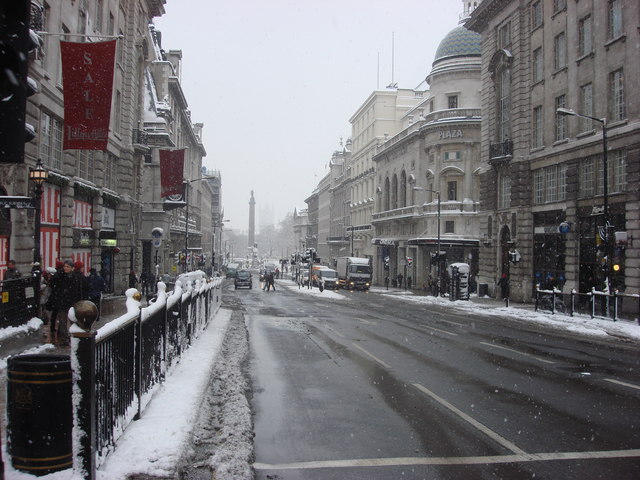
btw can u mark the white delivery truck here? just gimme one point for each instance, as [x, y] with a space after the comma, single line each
[354, 273]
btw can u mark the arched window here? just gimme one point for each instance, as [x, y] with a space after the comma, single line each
[402, 201]
[386, 194]
[394, 192]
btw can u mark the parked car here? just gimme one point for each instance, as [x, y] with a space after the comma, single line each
[243, 279]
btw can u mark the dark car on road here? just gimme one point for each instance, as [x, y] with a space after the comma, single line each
[243, 279]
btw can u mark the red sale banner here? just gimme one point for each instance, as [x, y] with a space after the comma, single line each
[171, 168]
[87, 78]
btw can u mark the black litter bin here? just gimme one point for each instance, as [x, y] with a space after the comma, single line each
[39, 415]
[483, 289]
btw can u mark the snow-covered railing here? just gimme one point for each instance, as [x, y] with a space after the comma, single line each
[594, 303]
[117, 369]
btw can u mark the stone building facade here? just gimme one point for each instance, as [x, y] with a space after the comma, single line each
[426, 175]
[542, 182]
[96, 205]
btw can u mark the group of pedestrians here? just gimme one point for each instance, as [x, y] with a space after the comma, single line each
[61, 288]
[269, 282]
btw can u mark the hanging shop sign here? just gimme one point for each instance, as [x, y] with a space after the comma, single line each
[87, 77]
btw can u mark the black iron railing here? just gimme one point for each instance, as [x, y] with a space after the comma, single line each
[501, 150]
[18, 301]
[132, 354]
[595, 304]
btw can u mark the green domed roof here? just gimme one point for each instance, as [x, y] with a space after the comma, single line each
[459, 42]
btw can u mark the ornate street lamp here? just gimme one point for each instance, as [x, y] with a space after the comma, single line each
[38, 176]
[608, 234]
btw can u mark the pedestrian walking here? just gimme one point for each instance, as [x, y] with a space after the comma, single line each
[409, 282]
[400, 280]
[84, 280]
[66, 289]
[386, 282]
[271, 282]
[133, 280]
[503, 283]
[97, 285]
[12, 271]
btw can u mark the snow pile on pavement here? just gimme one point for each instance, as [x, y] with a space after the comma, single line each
[223, 436]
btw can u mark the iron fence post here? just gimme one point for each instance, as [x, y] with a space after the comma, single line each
[83, 339]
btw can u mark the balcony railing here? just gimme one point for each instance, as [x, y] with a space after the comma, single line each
[139, 137]
[502, 150]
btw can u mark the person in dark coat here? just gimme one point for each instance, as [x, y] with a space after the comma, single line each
[84, 280]
[12, 271]
[66, 289]
[503, 283]
[96, 287]
[133, 280]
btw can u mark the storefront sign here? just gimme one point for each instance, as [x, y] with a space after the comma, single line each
[108, 242]
[385, 241]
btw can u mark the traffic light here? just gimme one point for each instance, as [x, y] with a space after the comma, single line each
[16, 41]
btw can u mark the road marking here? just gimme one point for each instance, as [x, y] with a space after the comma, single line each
[486, 430]
[439, 330]
[385, 365]
[479, 460]
[334, 331]
[366, 322]
[630, 385]
[493, 345]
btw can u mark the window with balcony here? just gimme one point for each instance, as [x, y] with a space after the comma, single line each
[618, 110]
[452, 191]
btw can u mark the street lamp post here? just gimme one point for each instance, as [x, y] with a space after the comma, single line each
[608, 237]
[438, 283]
[38, 176]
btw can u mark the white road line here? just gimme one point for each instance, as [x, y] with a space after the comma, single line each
[630, 385]
[487, 431]
[479, 460]
[439, 330]
[385, 365]
[334, 331]
[366, 322]
[493, 345]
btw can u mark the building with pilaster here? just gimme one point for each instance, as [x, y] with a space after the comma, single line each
[427, 186]
[543, 190]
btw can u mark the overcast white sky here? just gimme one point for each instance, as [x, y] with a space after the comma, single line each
[276, 82]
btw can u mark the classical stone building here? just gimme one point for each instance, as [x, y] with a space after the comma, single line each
[427, 175]
[99, 207]
[376, 120]
[167, 125]
[542, 188]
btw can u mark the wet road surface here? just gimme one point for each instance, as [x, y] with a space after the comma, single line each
[368, 387]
